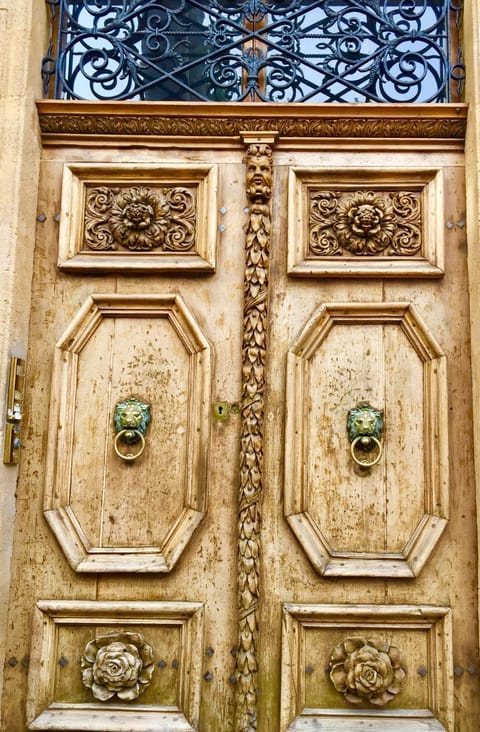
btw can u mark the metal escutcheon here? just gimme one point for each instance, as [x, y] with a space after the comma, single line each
[131, 420]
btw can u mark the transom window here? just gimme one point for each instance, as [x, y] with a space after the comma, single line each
[255, 50]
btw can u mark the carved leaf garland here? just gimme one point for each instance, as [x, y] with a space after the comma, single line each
[257, 244]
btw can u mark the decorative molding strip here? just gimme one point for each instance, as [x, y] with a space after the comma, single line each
[259, 192]
[439, 121]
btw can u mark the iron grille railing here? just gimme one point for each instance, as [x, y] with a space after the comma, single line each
[233, 50]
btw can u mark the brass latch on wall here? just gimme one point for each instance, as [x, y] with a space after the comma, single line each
[15, 395]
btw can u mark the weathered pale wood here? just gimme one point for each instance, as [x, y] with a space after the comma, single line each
[329, 724]
[471, 29]
[61, 717]
[209, 574]
[440, 307]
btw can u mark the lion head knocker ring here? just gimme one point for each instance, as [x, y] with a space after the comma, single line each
[365, 429]
[131, 420]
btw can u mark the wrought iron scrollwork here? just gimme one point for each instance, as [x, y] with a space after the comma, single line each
[233, 50]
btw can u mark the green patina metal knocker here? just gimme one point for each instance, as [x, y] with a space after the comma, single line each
[131, 420]
[365, 430]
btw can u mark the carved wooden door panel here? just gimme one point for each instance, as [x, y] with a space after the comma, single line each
[124, 602]
[368, 444]
[246, 490]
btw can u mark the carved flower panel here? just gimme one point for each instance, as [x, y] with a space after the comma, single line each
[364, 223]
[105, 666]
[364, 670]
[117, 665]
[140, 218]
[346, 222]
[342, 664]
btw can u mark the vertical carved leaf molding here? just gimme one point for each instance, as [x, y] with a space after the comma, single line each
[257, 255]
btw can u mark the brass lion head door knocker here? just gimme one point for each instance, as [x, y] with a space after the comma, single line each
[365, 431]
[131, 420]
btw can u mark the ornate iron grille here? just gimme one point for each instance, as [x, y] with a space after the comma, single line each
[276, 51]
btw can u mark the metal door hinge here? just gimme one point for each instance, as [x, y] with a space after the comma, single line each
[15, 395]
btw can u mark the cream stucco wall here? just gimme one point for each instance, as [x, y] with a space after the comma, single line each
[23, 25]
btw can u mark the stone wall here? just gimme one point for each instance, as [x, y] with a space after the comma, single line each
[23, 29]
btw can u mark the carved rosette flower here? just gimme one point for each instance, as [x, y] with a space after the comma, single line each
[117, 664]
[139, 219]
[365, 223]
[365, 671]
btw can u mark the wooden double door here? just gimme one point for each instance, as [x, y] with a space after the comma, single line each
[246, 491]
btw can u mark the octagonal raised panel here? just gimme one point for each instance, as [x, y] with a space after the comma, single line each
[111, 515]
[383, 521]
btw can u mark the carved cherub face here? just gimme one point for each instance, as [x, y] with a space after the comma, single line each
[259, 176]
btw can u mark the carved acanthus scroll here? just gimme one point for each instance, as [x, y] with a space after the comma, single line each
[259, 191]
[140, 219]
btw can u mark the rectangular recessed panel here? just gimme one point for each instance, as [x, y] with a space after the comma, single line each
[138, 218]
[366, 665]
[346, 222]
[112, 666]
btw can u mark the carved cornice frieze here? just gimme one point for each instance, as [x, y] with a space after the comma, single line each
[211, 120]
